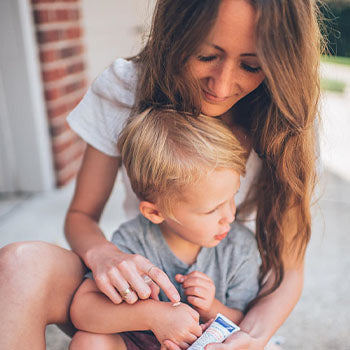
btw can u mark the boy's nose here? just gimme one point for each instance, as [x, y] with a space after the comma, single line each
[229, 213]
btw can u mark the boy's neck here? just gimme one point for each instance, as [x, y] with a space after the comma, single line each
[184, 250]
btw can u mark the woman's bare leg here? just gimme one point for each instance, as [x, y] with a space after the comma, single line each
[90, 341]
[37, 283]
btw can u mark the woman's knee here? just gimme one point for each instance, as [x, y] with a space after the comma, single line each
[41, 270]
[22, 265]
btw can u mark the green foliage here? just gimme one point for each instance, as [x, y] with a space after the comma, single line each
[345, 61]
[337, 20]
[333, 85]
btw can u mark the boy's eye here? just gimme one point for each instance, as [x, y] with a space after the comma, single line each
[250, 69]
[211, 211]
[206, 58]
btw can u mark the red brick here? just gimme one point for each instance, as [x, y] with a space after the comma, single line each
[54, 74]
[48, 56]
[67, 15]
[60, 147]
[54, 112]
[53, 94]
[42, 1]
[58, 128]
[74, 103]
[50, 36]
[73, 33]
[71, 51]
[69, 155]
[74, 86]
[41, 16]
[75, 68]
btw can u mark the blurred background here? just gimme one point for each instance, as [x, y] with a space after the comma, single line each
[51, 50]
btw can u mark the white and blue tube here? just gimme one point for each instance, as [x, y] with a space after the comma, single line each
[217, 332]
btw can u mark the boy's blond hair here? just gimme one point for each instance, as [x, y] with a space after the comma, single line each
[163, 151]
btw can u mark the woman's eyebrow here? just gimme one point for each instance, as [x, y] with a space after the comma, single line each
[248, 54]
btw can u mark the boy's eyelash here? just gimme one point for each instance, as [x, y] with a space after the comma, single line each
[212, 211]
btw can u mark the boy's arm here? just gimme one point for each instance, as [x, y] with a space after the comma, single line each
[92, 311]
[234, 315]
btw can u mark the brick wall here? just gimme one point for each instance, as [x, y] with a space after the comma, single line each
[61, 51]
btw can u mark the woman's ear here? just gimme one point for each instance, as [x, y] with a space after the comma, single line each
[151, 212]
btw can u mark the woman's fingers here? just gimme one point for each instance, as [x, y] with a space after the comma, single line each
[135, 280]
[127, 275]
[122, 285]
[160, 278]
[106, 288]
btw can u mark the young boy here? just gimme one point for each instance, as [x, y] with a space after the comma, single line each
[186, 172]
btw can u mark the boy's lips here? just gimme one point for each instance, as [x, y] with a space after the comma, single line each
[221, 237]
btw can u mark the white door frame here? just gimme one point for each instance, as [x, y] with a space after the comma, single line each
[25, 148]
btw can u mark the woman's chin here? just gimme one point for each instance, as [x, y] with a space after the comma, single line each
[215, 110]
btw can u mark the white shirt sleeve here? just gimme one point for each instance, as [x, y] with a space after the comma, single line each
[100, 116]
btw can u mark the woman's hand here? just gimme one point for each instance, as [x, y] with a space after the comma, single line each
[238, 341]
[200, 291]
[120, 274]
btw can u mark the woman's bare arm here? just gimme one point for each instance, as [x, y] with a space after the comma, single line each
[113, 270]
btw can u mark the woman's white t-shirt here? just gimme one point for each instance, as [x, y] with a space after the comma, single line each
[102, 113]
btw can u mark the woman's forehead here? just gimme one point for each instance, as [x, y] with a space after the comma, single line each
[234, 26]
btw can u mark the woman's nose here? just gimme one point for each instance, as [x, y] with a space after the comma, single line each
[223, 81]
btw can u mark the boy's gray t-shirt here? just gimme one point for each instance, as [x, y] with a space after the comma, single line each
[233, 265]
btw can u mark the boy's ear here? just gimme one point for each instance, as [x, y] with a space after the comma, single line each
[151, 212]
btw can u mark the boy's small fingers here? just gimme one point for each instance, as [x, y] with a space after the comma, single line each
[179, 278]
[205, 325]
[198, 302]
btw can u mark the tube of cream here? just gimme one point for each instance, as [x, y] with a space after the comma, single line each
[217, 332]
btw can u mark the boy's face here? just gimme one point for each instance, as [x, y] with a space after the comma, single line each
[205, 212]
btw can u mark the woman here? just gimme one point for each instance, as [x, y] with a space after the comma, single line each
[252, 63]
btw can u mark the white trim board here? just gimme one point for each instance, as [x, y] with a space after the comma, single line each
[25, 153]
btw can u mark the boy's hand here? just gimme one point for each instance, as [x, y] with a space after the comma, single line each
[200, 290]
[179, 324]
[169, 345]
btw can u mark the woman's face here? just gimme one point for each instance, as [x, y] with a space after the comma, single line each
[226, 64]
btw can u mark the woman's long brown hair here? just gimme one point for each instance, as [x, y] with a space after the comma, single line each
[280, 114]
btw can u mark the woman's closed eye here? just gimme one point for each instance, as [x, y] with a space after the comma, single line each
[250, 68]
[209, 58]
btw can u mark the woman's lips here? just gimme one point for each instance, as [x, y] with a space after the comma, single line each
[221, 237]
[212, 98]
